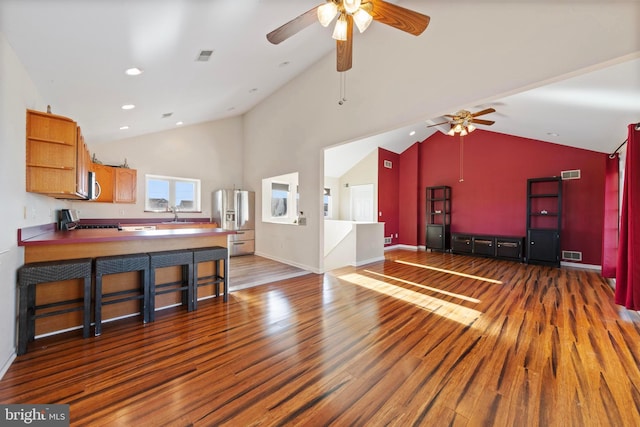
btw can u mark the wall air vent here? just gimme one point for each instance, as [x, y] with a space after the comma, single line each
[574, 174]
[387, 240]
[204, 55]
[388, 164]
[572, 255]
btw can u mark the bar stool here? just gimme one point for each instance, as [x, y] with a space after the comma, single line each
[121, 264]
[216, 254]
[32, 274]
[183, 258]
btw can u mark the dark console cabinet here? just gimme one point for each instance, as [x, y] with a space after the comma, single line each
[438, 218]
[484, 246]
[509, 247]
[461, 244]
[503, 247]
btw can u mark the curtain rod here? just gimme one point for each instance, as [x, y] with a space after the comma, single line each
[612, 155]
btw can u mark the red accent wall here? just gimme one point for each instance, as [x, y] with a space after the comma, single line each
[388, 203]
[409, 196]
[491, 197]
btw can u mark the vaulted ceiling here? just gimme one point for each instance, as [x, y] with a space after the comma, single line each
[76, 52]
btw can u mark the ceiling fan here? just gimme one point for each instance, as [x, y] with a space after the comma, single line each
[463, 121]
[360, 12]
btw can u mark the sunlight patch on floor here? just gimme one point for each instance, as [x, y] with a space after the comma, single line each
[449, 310]
[441, 270]
[429, 288]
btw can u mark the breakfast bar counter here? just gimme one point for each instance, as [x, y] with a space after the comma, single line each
[47, 243]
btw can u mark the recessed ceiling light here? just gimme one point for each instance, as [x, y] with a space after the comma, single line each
[133, 71]
[128, 107]
[553, 134]
[231, 108]
[165, 115]
[179, 123]
[413, 132]
[124, 127]
[284, 64]
[254, 90]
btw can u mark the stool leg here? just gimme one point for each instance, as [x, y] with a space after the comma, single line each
[152, 294]
[194, 302]
[23, 320]
[190, 287]
[226, 280]
[98, 312]
[217, 276]
[145, 298]
[86, 327]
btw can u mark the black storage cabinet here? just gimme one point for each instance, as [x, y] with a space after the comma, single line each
[438, 221]
[461, 244]
[544, 220]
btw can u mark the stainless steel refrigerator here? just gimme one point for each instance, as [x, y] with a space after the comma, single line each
[235, 210]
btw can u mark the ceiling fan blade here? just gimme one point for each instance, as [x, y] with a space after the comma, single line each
[438, 124]
[398, 17]
[483, 122]
[344, 49]
[483, 112]
[294, 26]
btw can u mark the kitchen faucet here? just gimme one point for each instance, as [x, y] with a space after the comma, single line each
[174, 209]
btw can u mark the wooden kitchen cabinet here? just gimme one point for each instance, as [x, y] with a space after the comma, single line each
[117, 185]
[124, 190]
[57, 159]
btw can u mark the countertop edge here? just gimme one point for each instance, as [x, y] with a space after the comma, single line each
[112, 235]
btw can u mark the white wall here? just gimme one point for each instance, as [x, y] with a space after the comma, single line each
[17, 93]
[211, 152]
[398, 79]
[363, 172]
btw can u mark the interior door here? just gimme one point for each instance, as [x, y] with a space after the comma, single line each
[362, 203]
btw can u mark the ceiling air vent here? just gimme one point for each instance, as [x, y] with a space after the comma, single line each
[574, 174]
[204, 55]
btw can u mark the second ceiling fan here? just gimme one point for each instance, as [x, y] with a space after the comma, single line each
[463, 121]
[360, 12]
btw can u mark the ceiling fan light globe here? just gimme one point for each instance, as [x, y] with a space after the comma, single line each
[464, 132]
[362, 19]
[326, 13]
[457, 128]
[471, 128]
[350, 6]
[340, 30]
[451, 132]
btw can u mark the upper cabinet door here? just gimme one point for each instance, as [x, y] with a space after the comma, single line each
[125, 185]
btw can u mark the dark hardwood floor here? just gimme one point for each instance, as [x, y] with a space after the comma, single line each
[423, 339]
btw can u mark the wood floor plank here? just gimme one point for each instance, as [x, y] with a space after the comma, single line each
[419, 339]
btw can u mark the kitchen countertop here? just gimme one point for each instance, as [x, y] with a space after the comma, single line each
[49, 235]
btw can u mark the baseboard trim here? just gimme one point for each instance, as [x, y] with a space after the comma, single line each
[8, 363]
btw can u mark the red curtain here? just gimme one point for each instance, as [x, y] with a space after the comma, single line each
[628, 267]
[611, 214]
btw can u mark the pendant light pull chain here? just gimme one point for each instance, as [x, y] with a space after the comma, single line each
[461, 159]
[343, 88]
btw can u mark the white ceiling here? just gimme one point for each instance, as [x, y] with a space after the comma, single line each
[76, 53]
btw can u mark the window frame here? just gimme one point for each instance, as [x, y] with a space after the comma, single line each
[171, 201]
